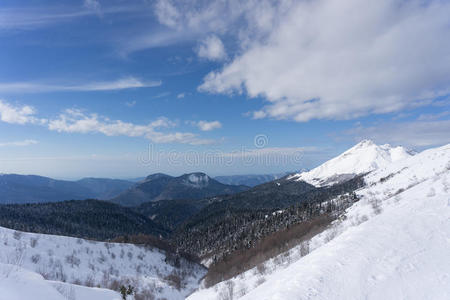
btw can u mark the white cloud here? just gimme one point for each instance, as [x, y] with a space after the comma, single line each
[120, 84]
[242, 18]
[212, 48]
[19, 143]
[18, 114]
[333, 59]
[208, 126]
[181, 95]
[413, 134]
[76, 121]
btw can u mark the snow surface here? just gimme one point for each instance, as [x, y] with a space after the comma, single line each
[86, 262]
[364, 157]
[392, 244]
[17, 283]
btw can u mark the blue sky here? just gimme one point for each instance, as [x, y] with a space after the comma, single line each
[88, 88]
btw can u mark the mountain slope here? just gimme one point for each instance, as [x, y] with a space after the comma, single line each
[80, 218]
[62, 261]
[364, 157]
[239, 221]
[20, 189]
[164, 187]
[392, 244]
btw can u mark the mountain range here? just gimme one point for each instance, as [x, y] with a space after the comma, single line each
[16, 188]
[20, 189]
[164, 187]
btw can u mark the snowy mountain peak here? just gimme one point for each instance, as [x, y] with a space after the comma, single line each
[364, 157]
[364, 143]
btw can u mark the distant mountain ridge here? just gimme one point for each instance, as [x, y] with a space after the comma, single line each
[19, 189]
[250, 179]
[165, 187]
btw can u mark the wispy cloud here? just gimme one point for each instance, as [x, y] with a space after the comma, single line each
[130, 103]
[92, 5]
[19, 143]
[430, 117]
[154, 39]
[120, 84]
[31, 18]
[161, 95]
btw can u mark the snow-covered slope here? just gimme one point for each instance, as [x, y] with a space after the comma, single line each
[89, 263]
[392, 244]
[364, 157]
[17, 283]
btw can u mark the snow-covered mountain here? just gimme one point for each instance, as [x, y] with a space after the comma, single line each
[58, 265]
[364, 157]
[391, 244]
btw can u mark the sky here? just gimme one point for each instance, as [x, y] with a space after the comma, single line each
[124, 89]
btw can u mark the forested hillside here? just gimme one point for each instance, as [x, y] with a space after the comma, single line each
[231, 226]
[92, 219]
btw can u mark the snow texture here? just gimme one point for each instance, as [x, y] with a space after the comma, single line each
[392, 244]
[17, 283]
[85, 262]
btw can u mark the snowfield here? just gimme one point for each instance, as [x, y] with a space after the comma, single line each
[392, 244]
[364, 157]
[47, 261]
[17, 283]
